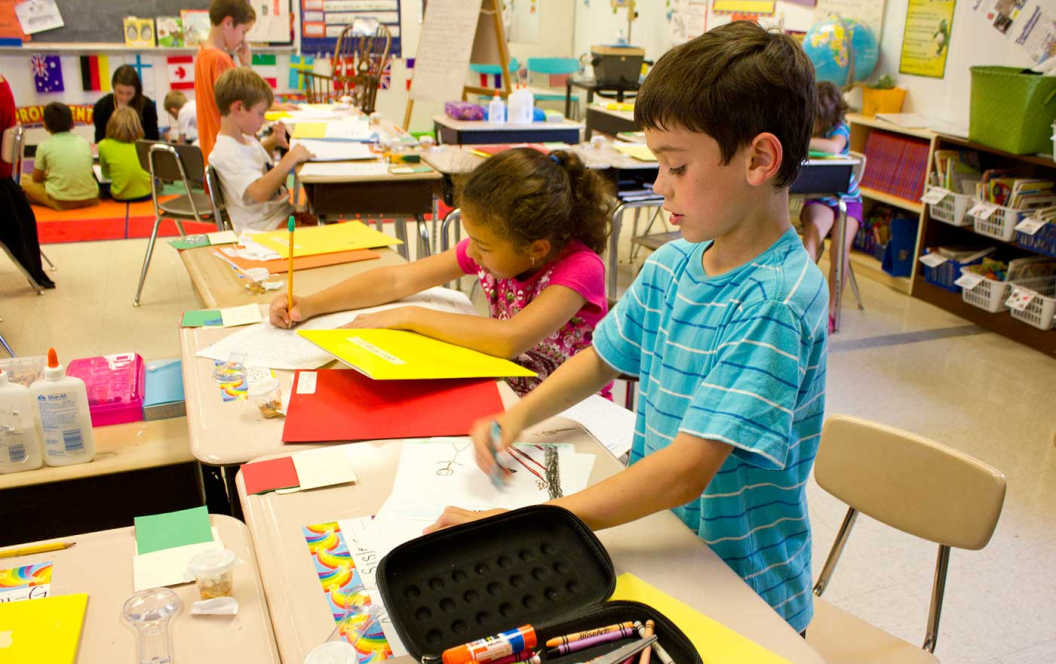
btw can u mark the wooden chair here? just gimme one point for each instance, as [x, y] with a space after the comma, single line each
[360, 57]
[910, 483]
[176, 163]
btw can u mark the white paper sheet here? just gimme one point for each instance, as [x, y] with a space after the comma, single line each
[360, 540]
[315, 169]
[247, 314]
[276, 348]
[38, 15]
[168, 567]
[335, 150]
[611, 424]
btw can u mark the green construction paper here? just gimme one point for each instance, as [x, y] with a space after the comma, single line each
[165, 531]
[202, 318]
[191, 242]
[820, 154]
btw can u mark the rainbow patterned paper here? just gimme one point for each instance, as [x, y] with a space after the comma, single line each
[345, 590]
[28, 582]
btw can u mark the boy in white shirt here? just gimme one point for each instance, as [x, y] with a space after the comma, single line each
[186, 116]
[253, 185]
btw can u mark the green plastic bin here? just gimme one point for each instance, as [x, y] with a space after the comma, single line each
[1012, 110]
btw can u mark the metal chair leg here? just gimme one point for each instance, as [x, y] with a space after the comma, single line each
[854, 287]
[179, 227]
[3, 342]
[146, 259]
[48, 261]
[424, 239]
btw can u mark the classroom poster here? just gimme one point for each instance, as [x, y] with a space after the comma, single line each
[322, 21]
[870, 12]
[686, 20]
[10, 29]
[1038, 36]
[523, 20]
[926, 40]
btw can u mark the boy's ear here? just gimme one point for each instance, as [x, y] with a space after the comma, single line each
[237, 105]
[765, 154]
[228, 23]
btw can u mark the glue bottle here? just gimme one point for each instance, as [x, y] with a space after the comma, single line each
[20, 446]
[497, 111]
[521, 104]
[62, 402]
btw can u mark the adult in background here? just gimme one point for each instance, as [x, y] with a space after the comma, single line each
[128, 91]
[7, 119]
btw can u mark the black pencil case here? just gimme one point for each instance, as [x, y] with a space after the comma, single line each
[539, 566]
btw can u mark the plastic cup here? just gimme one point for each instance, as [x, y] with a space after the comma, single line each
[333, 652]
[232, 371]
[267, 394]
[256, 276]
[213, 572]
[597, 142]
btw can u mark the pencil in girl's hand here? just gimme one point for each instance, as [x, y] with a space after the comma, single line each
[289, 274]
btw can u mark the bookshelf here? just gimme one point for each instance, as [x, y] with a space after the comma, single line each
[935, 234]
[922, 143]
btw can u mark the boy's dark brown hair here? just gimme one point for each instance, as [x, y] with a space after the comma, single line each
[524, 195]
[241, 84]
[126, 75]
[734, 83]
[831, 106]
[240, 11]
[58, 118]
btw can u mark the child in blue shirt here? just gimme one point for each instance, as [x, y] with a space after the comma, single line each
[725, 328]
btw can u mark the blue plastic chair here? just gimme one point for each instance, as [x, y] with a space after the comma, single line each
[553, 67]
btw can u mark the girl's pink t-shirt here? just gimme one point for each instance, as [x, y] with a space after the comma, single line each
[578, 268]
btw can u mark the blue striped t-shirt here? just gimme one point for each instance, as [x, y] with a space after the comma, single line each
[738, 358]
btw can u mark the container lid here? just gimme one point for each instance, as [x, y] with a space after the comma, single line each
[263, 386]
[333, 652]
[215, 561]
[527, 566]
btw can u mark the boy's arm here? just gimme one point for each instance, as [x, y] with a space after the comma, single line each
[832, 145]
[501, 338]
[264, 188]
[38, 175]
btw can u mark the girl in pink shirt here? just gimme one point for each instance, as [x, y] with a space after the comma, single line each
[536, 225]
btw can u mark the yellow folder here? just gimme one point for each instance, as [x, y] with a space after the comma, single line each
[402, 355]
[716, 643]
[310, 130]
[42, 630]
[636, 150]
[329, 239]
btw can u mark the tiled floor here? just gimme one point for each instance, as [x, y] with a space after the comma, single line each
[976, 392]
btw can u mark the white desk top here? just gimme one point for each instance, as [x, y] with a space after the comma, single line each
[482, 126]
[101, 565]
[659, 549]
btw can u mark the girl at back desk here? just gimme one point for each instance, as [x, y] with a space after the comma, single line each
[536, 225]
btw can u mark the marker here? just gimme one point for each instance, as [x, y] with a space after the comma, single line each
[660, 652]
[489, 649]
[289, 273]
[591, 641]
[569, 638]
[498, 471]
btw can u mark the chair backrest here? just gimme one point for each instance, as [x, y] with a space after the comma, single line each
[858, 172]
[360, 57]
[11, 151]
[909, 482]
[216, 198]
[171, 162]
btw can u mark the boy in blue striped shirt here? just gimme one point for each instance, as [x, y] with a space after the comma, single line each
[725, 328]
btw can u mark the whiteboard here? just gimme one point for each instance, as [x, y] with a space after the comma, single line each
[444, 49]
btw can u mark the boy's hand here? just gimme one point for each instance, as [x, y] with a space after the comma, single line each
[480, 433]
[281, 135]
[456, 516]
[298, 154]
[391, 319]
[280, 317]
[245, 56]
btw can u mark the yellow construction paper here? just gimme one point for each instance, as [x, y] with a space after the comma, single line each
[402, 355]
[329, 239]
[764, 7]
[716, 643]
[636, 150]
[42, 630]
[272, 116]
[310, 130]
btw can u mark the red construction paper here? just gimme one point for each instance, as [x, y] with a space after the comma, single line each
[280, 265]
[347, 405]
[262, 476]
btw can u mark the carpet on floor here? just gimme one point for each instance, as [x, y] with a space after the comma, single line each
[110, 220]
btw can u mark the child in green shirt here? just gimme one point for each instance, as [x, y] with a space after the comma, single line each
[62, 172]
[118, 159]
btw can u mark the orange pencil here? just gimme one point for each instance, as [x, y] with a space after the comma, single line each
[289, 273]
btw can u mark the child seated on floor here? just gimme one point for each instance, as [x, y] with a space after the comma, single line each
[254, 187]
[118, 158]
[186, 116]
[62, 173]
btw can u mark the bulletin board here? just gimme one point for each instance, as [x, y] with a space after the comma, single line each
[323, 20]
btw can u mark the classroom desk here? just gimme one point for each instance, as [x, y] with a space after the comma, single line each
[479, 132]
[119, 448]
[659, 549]
[607, 121]
[101, 566]
[217, 285]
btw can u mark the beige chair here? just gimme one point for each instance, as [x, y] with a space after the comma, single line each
[363, 50]
[917, 486]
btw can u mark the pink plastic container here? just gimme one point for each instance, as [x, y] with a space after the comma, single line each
[115, 383]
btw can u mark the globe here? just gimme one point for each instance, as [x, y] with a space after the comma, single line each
[826, 45]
